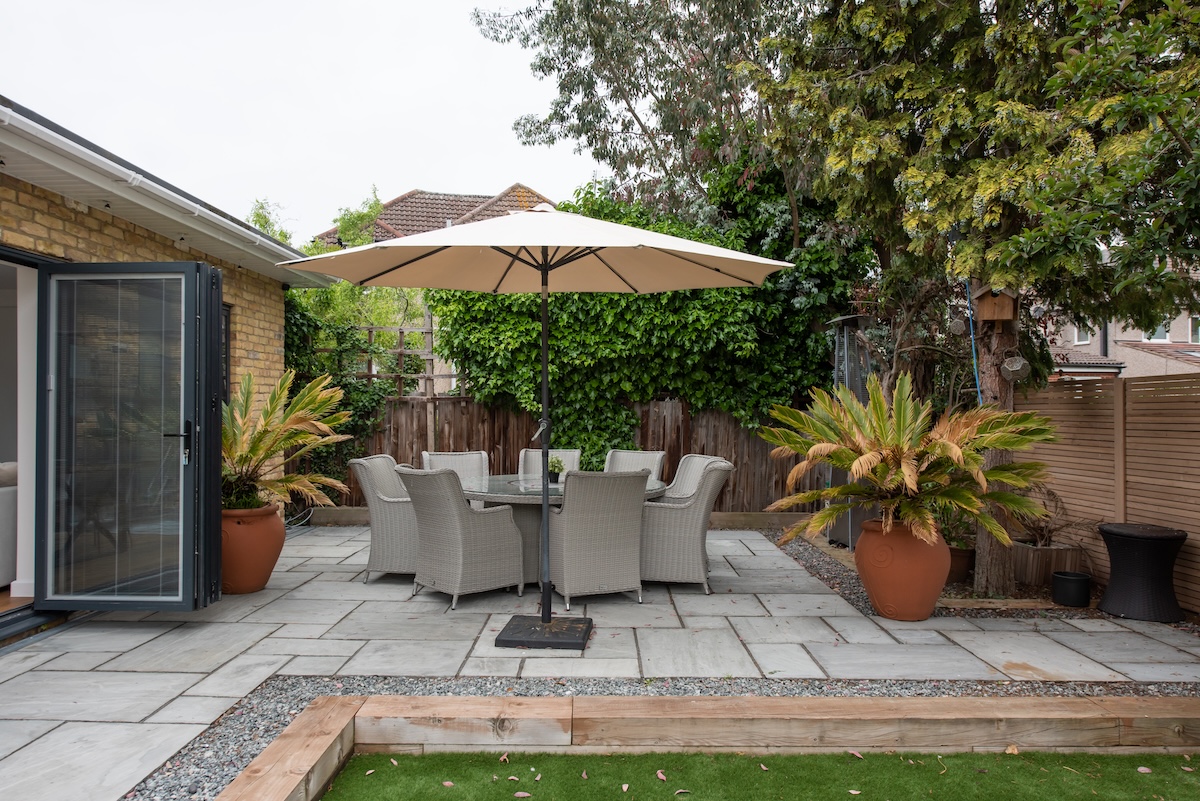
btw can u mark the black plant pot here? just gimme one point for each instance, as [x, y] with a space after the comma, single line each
[1071, 589]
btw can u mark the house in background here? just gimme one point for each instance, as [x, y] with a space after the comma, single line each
[129, 306]
[1171, 349]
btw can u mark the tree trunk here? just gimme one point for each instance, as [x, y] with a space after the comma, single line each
[993, 561]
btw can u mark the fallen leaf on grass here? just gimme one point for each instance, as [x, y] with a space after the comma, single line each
[1012, 749]
[1144, 769]
[447, 784]
[369, 772]
[662, 777]
[504, 757]
[855, 753]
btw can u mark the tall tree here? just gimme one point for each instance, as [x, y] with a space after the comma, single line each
[936, 131]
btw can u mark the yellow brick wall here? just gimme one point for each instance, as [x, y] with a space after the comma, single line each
[48, 224]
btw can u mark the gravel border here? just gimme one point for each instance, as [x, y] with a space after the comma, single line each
[202, 769]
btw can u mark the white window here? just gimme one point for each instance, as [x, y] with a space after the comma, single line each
[1195, 328]
[1157, 335]
[1083, 336]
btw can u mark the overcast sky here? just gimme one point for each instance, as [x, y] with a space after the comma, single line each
[306, 103]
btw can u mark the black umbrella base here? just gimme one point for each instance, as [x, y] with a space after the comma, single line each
[528, 631]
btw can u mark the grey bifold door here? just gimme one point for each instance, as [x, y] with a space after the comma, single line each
[129, 437]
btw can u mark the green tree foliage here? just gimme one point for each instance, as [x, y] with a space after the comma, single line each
[737, 350]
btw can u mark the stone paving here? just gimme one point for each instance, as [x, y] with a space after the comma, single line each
[120, 692]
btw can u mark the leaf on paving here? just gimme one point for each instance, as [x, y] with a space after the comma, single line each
[662, 777]
[1012, 749]
[447, 784]
[855, 753]
[369, 772]
[504, 757]
[1144, 769]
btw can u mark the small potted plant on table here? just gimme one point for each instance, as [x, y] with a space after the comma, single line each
[253, 484]
[911, 467]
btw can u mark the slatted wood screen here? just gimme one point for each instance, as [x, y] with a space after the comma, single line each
[1128, 450]
[413, 424]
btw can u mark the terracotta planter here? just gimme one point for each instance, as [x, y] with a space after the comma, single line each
[962, 562]
[902, 575]
[251, 540]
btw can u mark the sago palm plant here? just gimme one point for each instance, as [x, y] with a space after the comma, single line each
[252, 444]
[901, 460]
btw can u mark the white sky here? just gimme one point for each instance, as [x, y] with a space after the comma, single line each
[306, 103]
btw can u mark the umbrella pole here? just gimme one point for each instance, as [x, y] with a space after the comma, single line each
[528, 631]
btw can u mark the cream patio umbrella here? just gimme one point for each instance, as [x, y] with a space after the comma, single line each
[543, 250]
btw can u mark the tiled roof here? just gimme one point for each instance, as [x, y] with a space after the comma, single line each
[418, 210]
[1178, 351]
[1069, 357]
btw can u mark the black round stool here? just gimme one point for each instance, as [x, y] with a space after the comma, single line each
[1141, 581]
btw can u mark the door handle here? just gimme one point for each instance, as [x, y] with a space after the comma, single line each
[187, 440]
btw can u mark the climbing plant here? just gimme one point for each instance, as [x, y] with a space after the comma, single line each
[734, 350]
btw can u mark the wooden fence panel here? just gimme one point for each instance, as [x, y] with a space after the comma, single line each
[1127, 451]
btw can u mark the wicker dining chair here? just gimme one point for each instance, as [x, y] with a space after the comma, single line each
[531, 460]
[595, 535]
[460, 550]
[619, 461]
[468, 464]
[675, 527]
[393, 522]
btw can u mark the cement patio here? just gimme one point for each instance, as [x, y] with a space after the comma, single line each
[121, 692]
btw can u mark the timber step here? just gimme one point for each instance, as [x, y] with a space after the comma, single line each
[302, 761]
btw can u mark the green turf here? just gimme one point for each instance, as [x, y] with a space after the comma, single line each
[725, 777]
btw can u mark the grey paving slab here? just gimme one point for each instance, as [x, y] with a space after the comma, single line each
[408, 658]
[693, 652]
[376, 620]
[377, 589]
[230, 609]
[18, 662]
[793, 605]
[1022, 624]
[703, 622]
[767, 561]
[918, 662]
[860, 630]
[591, 668]
[779, 660]
[728, 604]
[491, 666]
[1163, 633]
[1158, 671]
[306, 647]
[193, 647]
[291, 610]
[95, 636]
[784, 630]
[194, 709]
[94, 695]
[302, 631]
[239, 676]
[81, 660]
[15, 734]
[313, 666]
[1109, 647]
[1032, 657]
[105, 760]
[631, 615]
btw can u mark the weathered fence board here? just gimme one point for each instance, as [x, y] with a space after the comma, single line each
[1128, 450]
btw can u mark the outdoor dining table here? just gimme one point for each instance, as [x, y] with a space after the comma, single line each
[524, 494]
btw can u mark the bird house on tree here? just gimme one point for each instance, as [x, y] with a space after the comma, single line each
[995, 304]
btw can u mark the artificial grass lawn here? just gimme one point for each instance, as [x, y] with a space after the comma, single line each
[725, 777]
